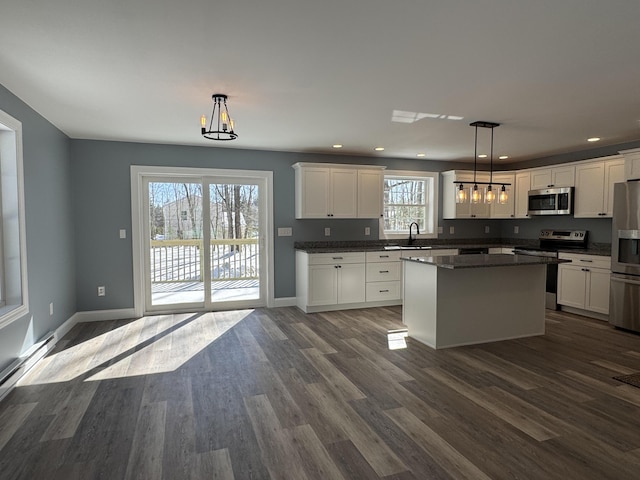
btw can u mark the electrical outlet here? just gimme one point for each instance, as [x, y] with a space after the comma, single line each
[123, 233]
[102, 291]
[285, 231]
[327, 232]
[486, 229]
[452, 230]
[51, 308]
[367, 230]
[516, 229]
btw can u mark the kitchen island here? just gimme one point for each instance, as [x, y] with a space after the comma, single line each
[459, 300]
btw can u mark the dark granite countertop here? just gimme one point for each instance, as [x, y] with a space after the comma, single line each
[483, 260]
[603, 249]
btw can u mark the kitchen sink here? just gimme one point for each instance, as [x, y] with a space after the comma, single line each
[407, 247]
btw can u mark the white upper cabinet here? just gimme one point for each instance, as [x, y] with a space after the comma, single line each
[343, 193]
[522, 187]
[503, 210]
[338, 191]
[631, 164]
[594, 187]
[370, 193]
[563, 176]
[452, 209]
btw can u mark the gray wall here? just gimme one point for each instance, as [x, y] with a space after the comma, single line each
[102, 206]
[101, 192]
[49, 230]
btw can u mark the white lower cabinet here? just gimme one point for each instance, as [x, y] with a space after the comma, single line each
[327, 281]
[584, 283]
[384, 273]
[338, 281]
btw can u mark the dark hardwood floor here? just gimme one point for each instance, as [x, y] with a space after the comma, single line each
[279, 394]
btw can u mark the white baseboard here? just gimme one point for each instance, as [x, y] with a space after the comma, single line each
[284, 302]
[101, 315]
[63, 329]
[585, 313]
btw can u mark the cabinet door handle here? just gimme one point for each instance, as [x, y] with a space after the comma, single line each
[383, 256]
[585, 269]
[384, 291]
[549, 186]
[337, 266]
[587, 261]
[337, 258]
[383, 271]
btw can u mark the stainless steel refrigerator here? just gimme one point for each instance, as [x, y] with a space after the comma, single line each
[624, 304]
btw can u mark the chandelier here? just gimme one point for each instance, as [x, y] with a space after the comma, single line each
[221, 125]
[487, 194]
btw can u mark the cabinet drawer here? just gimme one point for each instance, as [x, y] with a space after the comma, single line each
[336, 258]
[383, 271]
[378, 291]
[393, 256]
[593, 261]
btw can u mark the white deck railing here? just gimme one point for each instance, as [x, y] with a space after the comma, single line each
[183, 260]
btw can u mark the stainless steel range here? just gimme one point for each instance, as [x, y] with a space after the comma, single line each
[550, 243]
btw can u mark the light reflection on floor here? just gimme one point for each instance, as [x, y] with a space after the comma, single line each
[152, 344]
[397, 338]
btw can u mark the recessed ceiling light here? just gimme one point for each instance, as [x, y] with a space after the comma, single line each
[482, 156]
[593, 139]
[421, 155]
[503, 157]
[379, 149]
[337, 145]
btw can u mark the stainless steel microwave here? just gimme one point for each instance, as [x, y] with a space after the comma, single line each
[551, 201]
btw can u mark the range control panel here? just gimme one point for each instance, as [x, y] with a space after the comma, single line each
[575, 235]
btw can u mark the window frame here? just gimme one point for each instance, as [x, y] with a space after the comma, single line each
[12, 214]
[431, 203]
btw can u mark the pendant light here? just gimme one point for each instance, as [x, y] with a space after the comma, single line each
[487, 194]
[221, 126]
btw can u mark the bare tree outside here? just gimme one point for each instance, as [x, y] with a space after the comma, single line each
[404, 203]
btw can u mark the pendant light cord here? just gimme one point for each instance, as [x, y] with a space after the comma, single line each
[491, 160]
[475, 157]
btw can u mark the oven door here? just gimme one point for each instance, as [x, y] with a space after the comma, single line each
[624, 301]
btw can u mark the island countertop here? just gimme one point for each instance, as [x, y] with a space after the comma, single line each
[483, 260]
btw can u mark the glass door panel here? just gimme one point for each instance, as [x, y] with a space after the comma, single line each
[176, 247]
[234, 228]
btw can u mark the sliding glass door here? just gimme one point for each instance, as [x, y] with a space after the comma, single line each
[203, 242]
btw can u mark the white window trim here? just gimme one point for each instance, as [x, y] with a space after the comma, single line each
[13, 312]
[433, 200]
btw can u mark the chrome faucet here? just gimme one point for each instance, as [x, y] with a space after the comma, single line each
[411, 238]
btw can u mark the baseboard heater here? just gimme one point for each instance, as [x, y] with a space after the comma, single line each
[10, 375]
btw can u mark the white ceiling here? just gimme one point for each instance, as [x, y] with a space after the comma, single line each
[302, 75]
